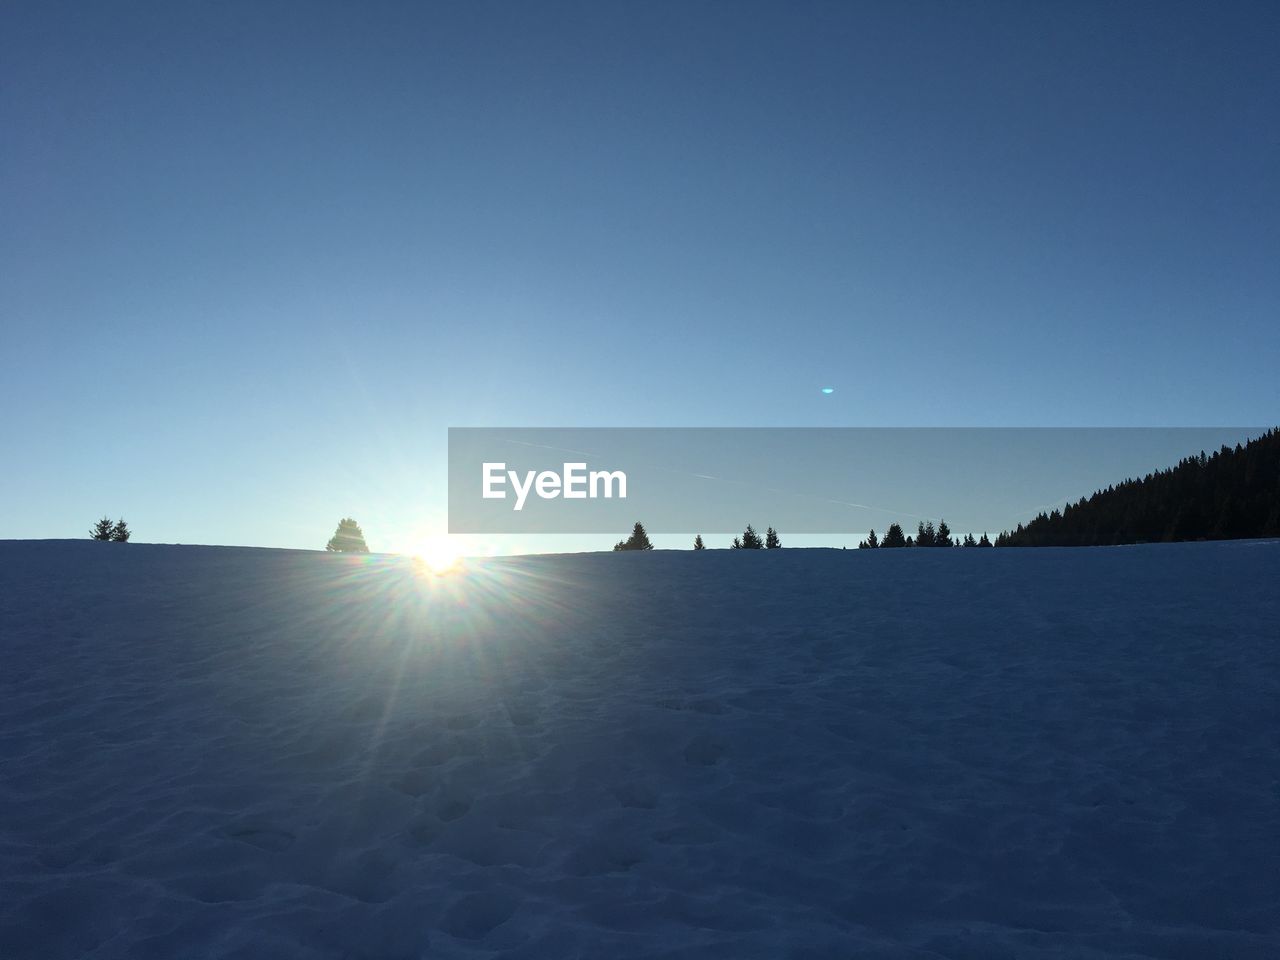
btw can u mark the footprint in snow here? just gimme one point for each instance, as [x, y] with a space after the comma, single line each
[704, 751]
[473, 916]
[452, 809]
[637, 795]
[415, 783]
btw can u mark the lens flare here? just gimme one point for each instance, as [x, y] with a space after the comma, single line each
[437, 556]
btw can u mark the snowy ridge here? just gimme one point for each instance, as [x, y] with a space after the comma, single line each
[226, 752]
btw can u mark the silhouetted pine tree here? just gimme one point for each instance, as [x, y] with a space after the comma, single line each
[639, 540]
[983, 541]
[771, 541]
[1231, 494]
[697, 543]
[120, 532]
[893, 537]
[750, 540]
[349, 538]
[943, 537]
[969, 541]
[925, 535]
[871, 543]
[102, 529]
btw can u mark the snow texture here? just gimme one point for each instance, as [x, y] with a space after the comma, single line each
[225, 752]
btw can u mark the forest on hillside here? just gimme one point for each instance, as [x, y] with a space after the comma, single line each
[1231, 494]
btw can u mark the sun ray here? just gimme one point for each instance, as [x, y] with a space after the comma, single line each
[436, 555]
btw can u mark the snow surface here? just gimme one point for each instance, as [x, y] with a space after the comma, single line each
[224, 752]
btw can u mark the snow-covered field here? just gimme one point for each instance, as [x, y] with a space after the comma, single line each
[224, 752]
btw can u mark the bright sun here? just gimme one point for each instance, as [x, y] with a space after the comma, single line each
[437, 555]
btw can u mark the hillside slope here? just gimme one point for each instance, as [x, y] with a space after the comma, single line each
[1231, 494]
[222, 752]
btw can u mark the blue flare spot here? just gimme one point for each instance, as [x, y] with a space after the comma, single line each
[828, 389]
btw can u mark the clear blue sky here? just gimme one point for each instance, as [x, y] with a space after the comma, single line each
[255, 258]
